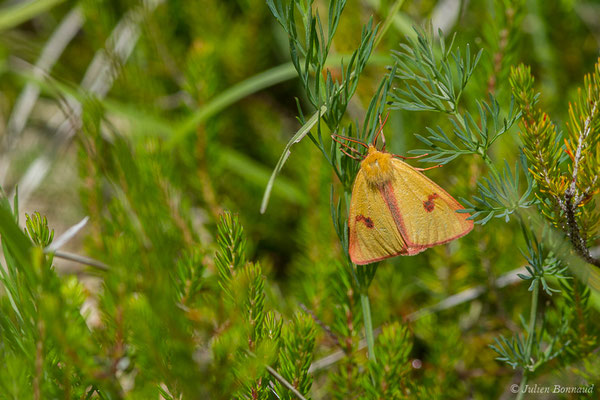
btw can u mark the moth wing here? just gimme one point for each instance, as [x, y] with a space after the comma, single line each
[373, 232]
[426, 213]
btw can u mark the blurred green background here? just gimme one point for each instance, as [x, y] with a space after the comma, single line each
[168, 75]
[177, 110]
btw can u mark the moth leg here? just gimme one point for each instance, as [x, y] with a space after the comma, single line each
[427, 169]
[410, 158]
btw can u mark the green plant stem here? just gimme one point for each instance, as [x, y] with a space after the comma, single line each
[81, 259]
[366, 309]
[531, 335]
[388, 21]
[491, 166]
[484, 153]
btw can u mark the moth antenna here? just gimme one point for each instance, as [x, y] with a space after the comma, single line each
[380, 130]
[348, 139]
[427, 169]
[410, 158]
[345, 145]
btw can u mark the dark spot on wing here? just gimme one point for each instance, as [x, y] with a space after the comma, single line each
[367, 220]
[429, 204]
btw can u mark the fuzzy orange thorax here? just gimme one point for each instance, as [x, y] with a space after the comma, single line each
[377, 166]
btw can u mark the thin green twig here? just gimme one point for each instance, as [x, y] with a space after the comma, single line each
[82, 260]
[388, 21]
[484, 155]
[366, 309]
[530, 337]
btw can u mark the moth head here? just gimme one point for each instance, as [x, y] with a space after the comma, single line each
[377, 166]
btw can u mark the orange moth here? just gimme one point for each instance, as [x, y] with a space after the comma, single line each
[396, 210]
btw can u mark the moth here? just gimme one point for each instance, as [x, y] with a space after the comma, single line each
[396, 210]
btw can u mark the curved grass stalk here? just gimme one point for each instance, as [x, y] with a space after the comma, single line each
[232, 95]
[369, 333]
[302, 132]
[530, 337]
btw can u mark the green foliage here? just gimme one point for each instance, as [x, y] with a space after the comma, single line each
[387, 378]
[296, 355]
[18, 13]
[582, 334]
[434, 78]
[48, 346]
[44, 325]
[37, 229]
[473, 137]
[533, 353]
[189, 278]
[500, 197]
[329, 96]
[309, 54]
[345, 379]
[233, 246]
[431, 85]
[566, 185]
[542, 141]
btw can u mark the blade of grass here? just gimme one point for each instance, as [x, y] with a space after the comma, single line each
[388, 21]
[401, 22]
[80, 259]
[146, 122]
[302, 132]
[98, 79]
[247, 87]
[27, 99]
[66, 236]
[231, 95]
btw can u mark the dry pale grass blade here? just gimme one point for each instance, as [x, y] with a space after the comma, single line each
[98, 79]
